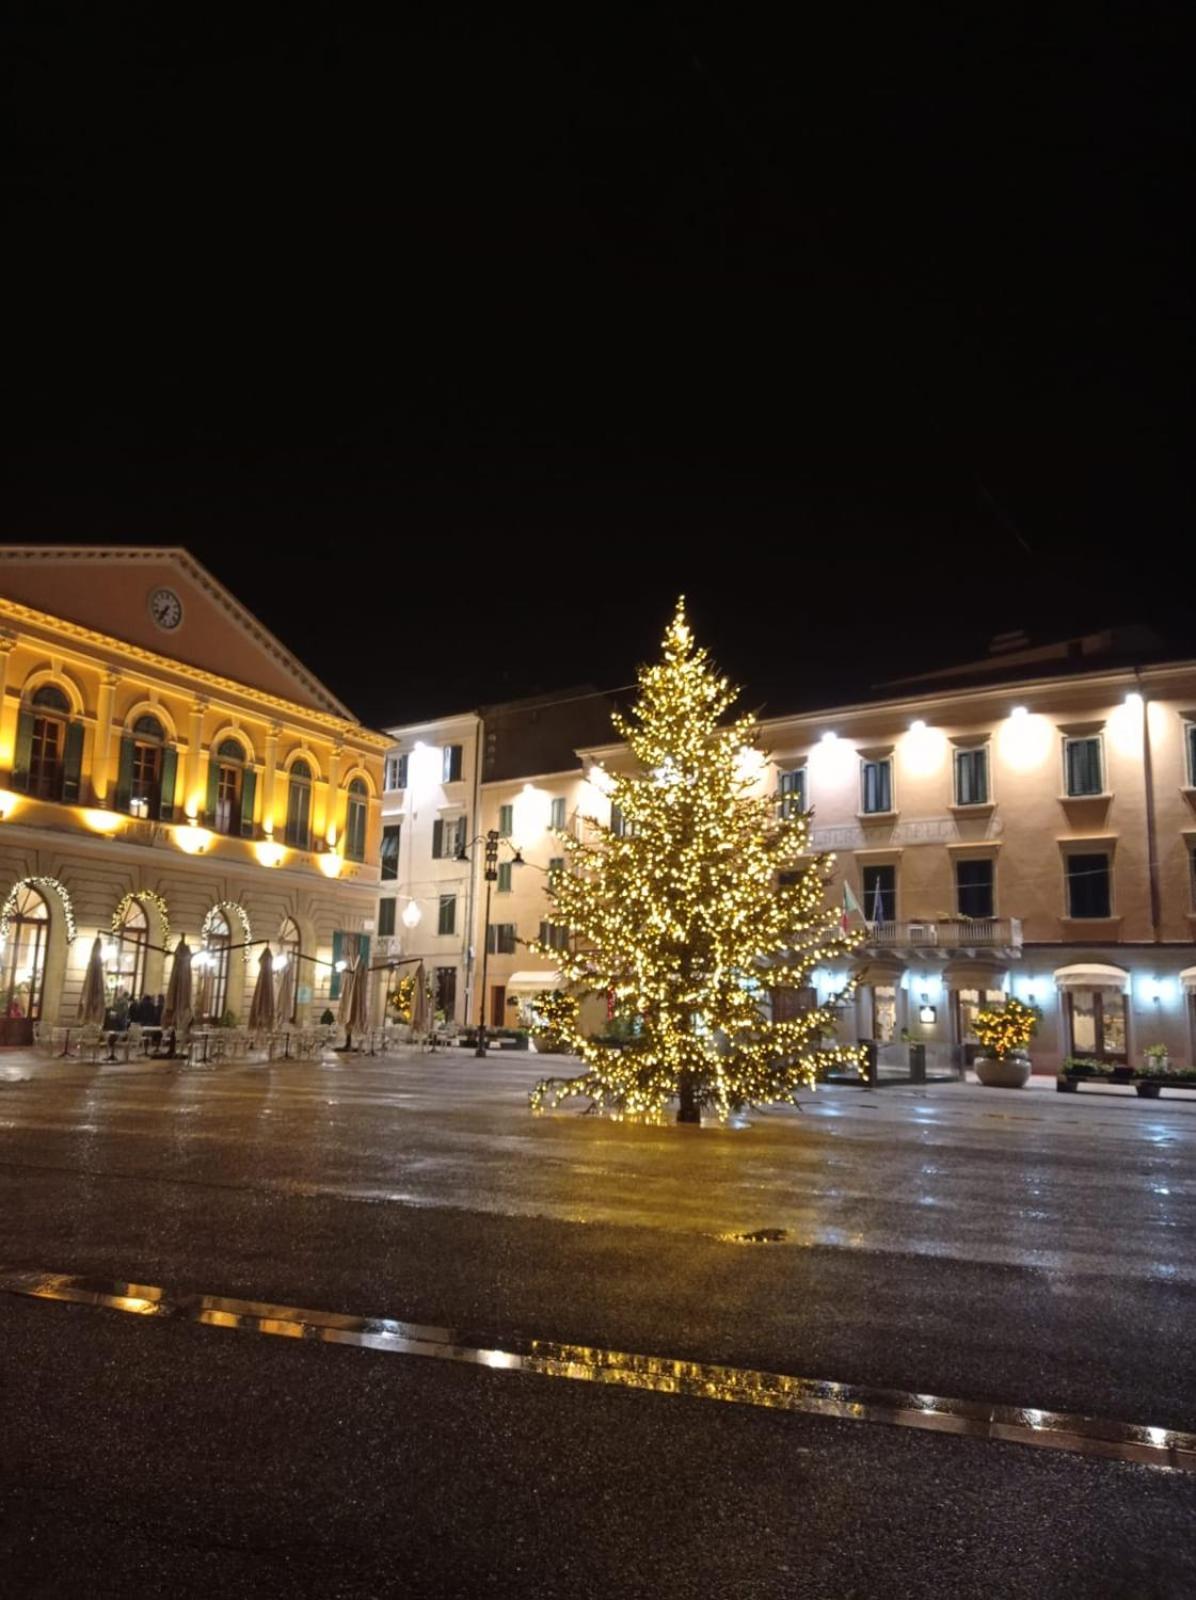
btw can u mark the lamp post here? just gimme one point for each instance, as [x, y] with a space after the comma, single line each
[492, 840]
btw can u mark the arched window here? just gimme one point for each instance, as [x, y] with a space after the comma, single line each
[145, 781]
[231, 783]
[23, 968]
[214, 980]
[127, 971]
[357, 810]
[298, 833]
[290, 945]
[48, 755]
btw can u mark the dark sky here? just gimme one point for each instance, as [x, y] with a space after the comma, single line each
[458, 348]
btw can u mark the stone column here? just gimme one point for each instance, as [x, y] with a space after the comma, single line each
[193, 794]
[7, 725]
[268, 780]
[101, 759]
[331, 821]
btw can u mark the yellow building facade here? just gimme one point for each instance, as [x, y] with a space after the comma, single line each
[167, 768]
[1032, 835]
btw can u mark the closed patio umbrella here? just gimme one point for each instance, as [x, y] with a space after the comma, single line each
[176, 1013]
[203, 994]
[284, 1005]
[419, 1003]
[361, 997]
[92, 1004]
[261, 1009]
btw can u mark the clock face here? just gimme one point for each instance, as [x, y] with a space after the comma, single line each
[166, 608]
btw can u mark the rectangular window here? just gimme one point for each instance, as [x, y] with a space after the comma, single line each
[971, 777]
[504, 877]
[1191, 741]
[876, 785]
[390, 851]
[1082, 766]
[554, 936]
[619, 825]
[557, 815]
[500, 938]
[386, 916]
[974, 888]
[1088, 886]
[506, 821]
[793, 792]
[446, 992]
[1193, 866]
[880, 893]
[395, 776]
[556, 863]
[448, 837]
[452, 763]
[448, 914]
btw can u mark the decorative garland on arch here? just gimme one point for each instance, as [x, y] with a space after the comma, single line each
[156, 900]
[10, 905]
[227, 906]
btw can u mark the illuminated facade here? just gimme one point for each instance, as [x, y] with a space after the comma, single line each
[1033, 836]
[169, 768]
[429, 863]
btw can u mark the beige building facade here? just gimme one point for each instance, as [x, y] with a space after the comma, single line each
[168, 768]
[1032, 835]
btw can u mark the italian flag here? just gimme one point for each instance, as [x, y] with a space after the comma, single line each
[851, 907]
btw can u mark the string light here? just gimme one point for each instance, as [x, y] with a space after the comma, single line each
[701, 899]
[1007, 1028]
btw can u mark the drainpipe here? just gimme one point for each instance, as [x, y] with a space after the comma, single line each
[475, 822]
[1152, 841]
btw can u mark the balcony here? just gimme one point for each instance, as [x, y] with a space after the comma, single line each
[947, 936]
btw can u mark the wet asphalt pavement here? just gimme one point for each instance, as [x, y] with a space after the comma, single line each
[1028, 1248]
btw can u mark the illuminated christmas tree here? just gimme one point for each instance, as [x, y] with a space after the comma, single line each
[699, 898]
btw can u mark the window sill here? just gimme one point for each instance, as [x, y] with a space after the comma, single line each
[1080, 799]
[1112, 923]
[877, 816]
[974, 808]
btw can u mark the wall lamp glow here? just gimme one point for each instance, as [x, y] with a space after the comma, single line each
[1134, 700]
[829, 737]
[1019, 712]
[917, 727]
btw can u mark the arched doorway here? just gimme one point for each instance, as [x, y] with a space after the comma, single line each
[23, 968]
[218, 940]
[290, 947]
[131, 936]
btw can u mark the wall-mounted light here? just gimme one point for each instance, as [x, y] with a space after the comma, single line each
[192, 840]
[8, 803]
[268, 853]
[829, 737]
[412, 916]
[330, 863]
[927, 1014]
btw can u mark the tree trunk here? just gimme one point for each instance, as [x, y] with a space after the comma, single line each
[688, 1109]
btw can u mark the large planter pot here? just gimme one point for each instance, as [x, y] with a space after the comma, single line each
[1011, 1073]
[1147, 1090]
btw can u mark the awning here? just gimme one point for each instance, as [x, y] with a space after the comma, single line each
[1093, 975]
[535, 980]
[1187, 980]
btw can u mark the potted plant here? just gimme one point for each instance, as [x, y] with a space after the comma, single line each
[1076, 1069]
[1004, 1032]
[1148, 1081]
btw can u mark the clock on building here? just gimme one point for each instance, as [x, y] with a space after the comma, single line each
[166, 608]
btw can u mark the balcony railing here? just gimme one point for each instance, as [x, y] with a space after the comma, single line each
[947, 934]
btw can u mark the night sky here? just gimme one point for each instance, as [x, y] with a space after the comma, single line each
[457, 349]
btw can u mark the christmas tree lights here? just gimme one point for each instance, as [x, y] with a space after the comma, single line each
[701, 899]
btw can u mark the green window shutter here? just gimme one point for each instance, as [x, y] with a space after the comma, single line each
[170, 766]
[506, 821]
[504, 877]
[23, 751]
[124, 775]
[338, 954]
[248, 791]
[437, 839]
[213, 789]
[72, 762]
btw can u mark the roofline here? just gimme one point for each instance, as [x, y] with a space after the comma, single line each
[139, 655]
[400, 730]
[223, 597]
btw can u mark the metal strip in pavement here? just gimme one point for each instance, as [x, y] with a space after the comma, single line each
[973, 1419]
